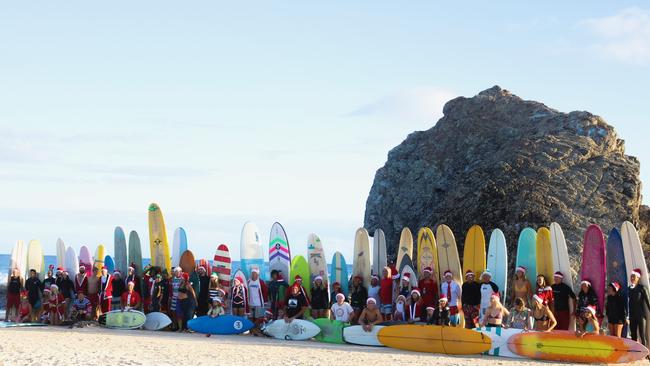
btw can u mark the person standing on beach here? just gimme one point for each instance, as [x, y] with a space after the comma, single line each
[239, 297]
[204, 292]
[358, 297]
[33, 286]
[81, 282]
[615, 309]
[277, 293]
[543, 290]
[639, 305]
[118, 289]
[521, 286]
[66, 288]
[564, 302]
[257, 298]
[453, 292]
[93, 292]
[49, 279]
[386, 294]
[429, 288]
[488, 289]
[130, 299]
[471, 299]
[105, 291]
[15, 284]
[173, 300]
[57, 306]
[186, 303]
[319, 298]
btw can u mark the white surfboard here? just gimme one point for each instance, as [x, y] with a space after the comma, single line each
[252, 255]
[500, 337]
[156, 321]
[35, 259]
[120, 252]
[379, 258]
[356, 335]
[497, 261]
[297, 330]
[179, 245]
[361, 260]
[60, 253]
[560, 253]
[316, 260]
[18, 258]
[634, 258]
[72, 263]
[413, 276]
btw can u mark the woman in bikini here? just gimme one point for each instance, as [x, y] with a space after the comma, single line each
[544, 318]
[587, 323]
[370, 315]
[495, 313]
[521, 285]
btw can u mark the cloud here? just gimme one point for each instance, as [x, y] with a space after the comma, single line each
[418, 104]
[624, 36]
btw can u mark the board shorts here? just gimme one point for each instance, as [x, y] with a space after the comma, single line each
[471, 313]
[386, 308]
[257, 312]
[454, 319]
[13, 300]
[94, 299]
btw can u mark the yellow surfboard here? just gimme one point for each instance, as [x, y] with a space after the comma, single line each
[405, 246]
[158, 239]
[474, 251]
[544, 255]
[100, 253]
[448, 254]
[427, 252]
[434, 339]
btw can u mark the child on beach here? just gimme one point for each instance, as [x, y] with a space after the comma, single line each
[520, 316]
[370, 315]
[215, 310]
[440, 314]
[24, 309]
[587, 323]
[341, 310]
[400, 309]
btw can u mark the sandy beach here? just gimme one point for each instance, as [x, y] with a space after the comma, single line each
[52, 346]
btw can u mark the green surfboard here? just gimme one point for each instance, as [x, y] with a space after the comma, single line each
[300, 267]
[331, 331]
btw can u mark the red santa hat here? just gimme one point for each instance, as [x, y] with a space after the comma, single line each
[636, 272]
[131, 283]
[615, 285]
[591, 309]
[340, 295]
[203, 268]
[336, 283]
[468, 273]
[430, 308]
[406, 277]
[448, 273]
[558, 274]
[585, 282]
[51, 267]
[416, 291]
[427, 270]
[104, 267]
[279, 277]
[538, 299]
[297, 278]
[374, 277]
[318, 278]
[59, 269]
[443, 298]
[371, 300]
[520, 269]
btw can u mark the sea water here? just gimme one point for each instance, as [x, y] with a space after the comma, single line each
[51, 260]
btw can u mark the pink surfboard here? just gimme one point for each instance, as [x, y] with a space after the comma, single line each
[594, 267]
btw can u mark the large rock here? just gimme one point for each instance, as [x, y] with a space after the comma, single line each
[503, 162]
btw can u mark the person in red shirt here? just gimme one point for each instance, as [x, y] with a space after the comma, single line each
[429, 288]
[57, 305]
[105, 290]
[386, 294]
[130, 298]
[544, 290]
[81, 281]
[415, 308]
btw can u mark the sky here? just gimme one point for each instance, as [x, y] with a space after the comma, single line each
[272, 111]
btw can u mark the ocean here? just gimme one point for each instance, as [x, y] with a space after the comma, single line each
[51, 259]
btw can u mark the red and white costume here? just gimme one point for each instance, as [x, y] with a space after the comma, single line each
[106, 292]
[81, 283]
[130, 299]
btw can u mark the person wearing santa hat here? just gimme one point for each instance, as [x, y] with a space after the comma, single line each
[66, 288]
[438, 315]
[453, 292]
[471, 299]
[258, 296]
[277, 288]
[488, 290]
[93, 292]
[370, 316]
[639, 306]
[429, 287]
[297, 282]
[615, 309]
[521, 286]
[405, 285]
[415, 309]
[386, 294]
[586, 297]
[358, 297]
[173, 292]
[336, 289]
[296, 303]
[81, 281]
[239, 297]
[587, 323]
[203, 291]
[400, 309]
[341, 310]
[14, 286]
[543, 290]
[544, 319]
[374, 289]
[495, 313]
[564, 302]
[57, 305]
[319, 298]
[105, 290]
[118, 289]
[130, 299]
[186, 303]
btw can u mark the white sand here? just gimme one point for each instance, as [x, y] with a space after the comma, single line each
[63, 346]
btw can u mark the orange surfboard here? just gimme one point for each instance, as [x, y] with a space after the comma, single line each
[565, 346]
[434, 339]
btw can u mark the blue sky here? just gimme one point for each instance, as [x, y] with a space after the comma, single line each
[224, 113]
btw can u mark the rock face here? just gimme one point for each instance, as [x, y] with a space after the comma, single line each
[503, 162]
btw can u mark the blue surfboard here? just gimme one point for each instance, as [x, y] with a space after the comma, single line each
[527, 254]
[339, 272]
[223, 324]
[110, 264]
[616, 270]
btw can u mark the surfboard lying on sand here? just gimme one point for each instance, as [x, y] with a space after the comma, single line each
[222, 324]
[356, 335]
[500, 338]
[118, 319]
[156, 321]
[297, 330]
[564, 346]
[435, 339]
[331, 331]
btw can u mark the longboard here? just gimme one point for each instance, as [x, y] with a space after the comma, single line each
[179, 245]
[316, 254]
[379, 256]
[564, 346]
[300, 267]
[18, 259]
[135, 252]
[187, 262]
[118, 319]
[156, 321]
[635, 258]
[560, 254]
[500, 338]
[72, 263]
[60, 253]
[497, 261]
[331, 331]
[158, 244]
[297, 330]
[474, 251]
[340, 272]
[544, 255]
[109, 263]
[279, 250]
[527, 254]
[405, 246]
[222, 266]
[361, 263]
[120, 253]
[594, 262]
[427, 253]
[448, 259]
[434, 339]
[35, 259]
[616, 270]
[251, 250]
[99, 259]
[85, 260]
[222, 324]
[356, 335]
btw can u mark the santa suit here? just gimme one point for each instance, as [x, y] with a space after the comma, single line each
[130, 299]
[429, 290]
[81, 283]
[106, 292]
[416, 310]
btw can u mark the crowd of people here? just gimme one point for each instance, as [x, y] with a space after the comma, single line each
[390, 298]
